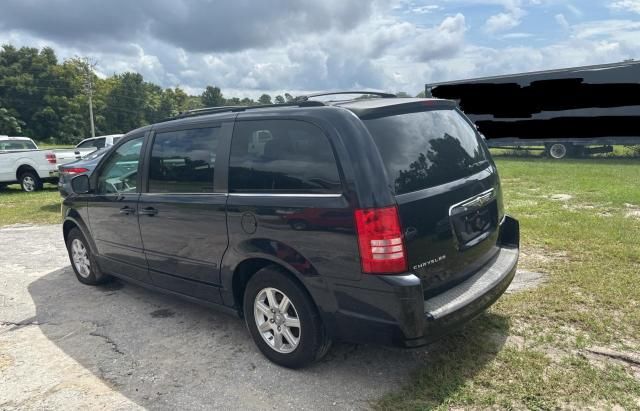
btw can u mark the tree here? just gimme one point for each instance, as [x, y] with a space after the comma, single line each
[402, 94]
[265, 99]
[288, 97]
[212, 97]
[9, 124]
[125, 103]
[280, 99]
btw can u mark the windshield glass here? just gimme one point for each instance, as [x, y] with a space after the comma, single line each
[427, 148]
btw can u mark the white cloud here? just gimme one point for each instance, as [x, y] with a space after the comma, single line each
[562, 21]
[521, 35]
[443, 41]
[574, 10]
[626, 5]
[386, 49]
[505, 21]
[429, 8]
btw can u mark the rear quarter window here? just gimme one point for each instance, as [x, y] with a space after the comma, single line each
[426, 148]
[281, 156]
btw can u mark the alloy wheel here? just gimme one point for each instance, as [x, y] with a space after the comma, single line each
[80, 258]
[277, 320]
[28, 183]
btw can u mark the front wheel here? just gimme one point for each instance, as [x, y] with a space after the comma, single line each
[82, 260]
[282, 319]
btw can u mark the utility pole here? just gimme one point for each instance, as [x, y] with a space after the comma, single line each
[93, 129]
[88, 84]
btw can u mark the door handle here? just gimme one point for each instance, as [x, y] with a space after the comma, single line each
[150, 211]
[126, 210]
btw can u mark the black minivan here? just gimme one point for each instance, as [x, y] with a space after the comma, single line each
[370, 220]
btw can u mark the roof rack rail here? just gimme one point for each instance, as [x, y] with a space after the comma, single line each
[227, 109]
[328, 93]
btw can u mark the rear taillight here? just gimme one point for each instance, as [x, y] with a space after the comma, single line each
[380, 241]
[74, 170]
[51, 158]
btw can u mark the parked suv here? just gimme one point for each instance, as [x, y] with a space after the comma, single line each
[376, 220]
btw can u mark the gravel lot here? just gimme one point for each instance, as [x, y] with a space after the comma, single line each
[66, 345]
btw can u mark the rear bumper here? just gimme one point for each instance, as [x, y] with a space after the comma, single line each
[391, 310]
[445, 312]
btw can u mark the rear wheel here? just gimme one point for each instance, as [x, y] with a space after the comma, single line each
[82, 260]
[558, 150]
[282, 319]
[29, 181]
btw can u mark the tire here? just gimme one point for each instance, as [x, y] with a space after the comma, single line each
[558, 151]
[29, 181]
[312, 341]
[85, 268]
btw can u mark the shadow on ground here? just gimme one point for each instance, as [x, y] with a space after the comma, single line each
[161, 352]
[51, 208]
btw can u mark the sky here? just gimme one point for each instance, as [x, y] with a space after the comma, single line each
[248, 47]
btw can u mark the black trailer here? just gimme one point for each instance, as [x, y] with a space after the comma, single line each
[573, 111]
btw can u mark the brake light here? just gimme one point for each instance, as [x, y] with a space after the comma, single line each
[51, 158]
[380, 241]
[75, 170]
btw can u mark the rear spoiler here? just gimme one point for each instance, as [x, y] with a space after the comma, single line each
[403, 108]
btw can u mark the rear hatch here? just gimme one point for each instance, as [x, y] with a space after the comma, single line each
[446, 188]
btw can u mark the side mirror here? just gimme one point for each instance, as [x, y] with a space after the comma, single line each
[80, 184]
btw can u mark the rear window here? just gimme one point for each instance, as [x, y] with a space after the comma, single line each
[17, 145]
[425, 149]
[281, 156]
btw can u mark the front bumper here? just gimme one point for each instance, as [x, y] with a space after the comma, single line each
[391, 310]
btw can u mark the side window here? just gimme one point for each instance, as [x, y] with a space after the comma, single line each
[99, 142]
[85, 144]
[120, 172]
[281, 156]
[183, 161]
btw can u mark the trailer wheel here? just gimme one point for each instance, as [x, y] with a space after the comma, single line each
[557, 150]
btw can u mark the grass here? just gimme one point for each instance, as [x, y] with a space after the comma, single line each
[532, 349]
[18, 207]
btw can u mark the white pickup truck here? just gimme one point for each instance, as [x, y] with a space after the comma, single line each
[86, 147]
[22, 162]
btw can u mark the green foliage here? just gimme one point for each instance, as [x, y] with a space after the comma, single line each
[212, 97]
[9, 124]
[265, 99]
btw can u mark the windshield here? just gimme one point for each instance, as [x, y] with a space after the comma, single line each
[427, 148]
